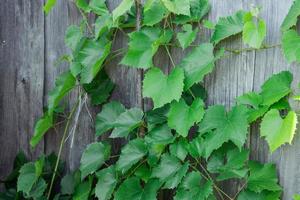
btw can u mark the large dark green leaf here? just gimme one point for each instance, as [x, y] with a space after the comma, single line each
[106, 184]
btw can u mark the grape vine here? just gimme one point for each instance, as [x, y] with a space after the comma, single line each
[181, 145]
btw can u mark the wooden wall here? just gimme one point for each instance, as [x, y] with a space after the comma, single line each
[31, 43]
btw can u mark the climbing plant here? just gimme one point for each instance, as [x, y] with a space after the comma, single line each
[181, 145]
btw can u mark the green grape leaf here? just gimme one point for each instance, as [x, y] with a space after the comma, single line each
[49, 5]
[73, 36]
[180, 149]
[37, 190]
[264, 195]
[198, 9]
[276, 130]
[27, 178]
[156, 83]
[197, 64]
[93, 158]
[187, 36]
[127, 122]
[223, 127]
[98, 7]
[139, 54]
[132, 153]
[290, 45]
[251, 98]
[296, 197]
[157, 116]
[154, 12]
[173, 181]
[67, 184]
[158, 138]
[234, 167]
[92, 56]
[228, 26]
[106, 184]
[254, 34]
[100, 88]
[194, 187]
[83, 5]
[196, 147]
[276, 87]
[63, 84]
[167, 168]
[106, 118]
[75, 68]
[132, 189]
[143, 172]
[182, 117]
[262, 177]
[82, 191]
[292, 16]
[102, 25]
[41, 127]
[178, 6]
[124, 6]
[209, 24]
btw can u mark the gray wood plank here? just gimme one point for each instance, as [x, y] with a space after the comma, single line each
[21, 78]
[64, 14]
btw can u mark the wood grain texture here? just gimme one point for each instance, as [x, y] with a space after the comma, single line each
[31, 43]
[21, 78]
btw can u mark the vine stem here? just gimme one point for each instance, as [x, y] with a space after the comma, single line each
[61, 146]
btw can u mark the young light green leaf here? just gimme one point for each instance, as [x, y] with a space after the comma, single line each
[228, 26]
[296, 197]
[187, 36]
[102, 25]
[106, 184]
[278, 131]
[223, 127]
[182, 117]
[254, 34]
[194, 187]
[154, 12]
[197, 64]
[262, 177]
[134, 151]
[132, 189]
[73, 36]
[99, 7]
[41, 127]
[291, 45]
[292, 16]
[156, 83]
[127, 122]
[276, 87]
[124, 6]
[198, 9]
[178, 7]
[92, 56]
[93, 158]
[49, 5]
[139, 53]
[106, 118]
[209, 24]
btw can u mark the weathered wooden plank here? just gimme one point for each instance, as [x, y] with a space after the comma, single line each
[64, 14]
[21, 78]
